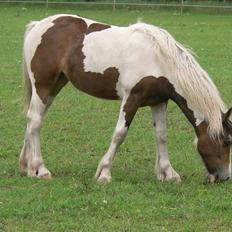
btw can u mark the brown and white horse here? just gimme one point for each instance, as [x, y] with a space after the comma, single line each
[143, 66]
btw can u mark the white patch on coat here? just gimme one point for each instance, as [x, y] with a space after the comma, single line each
[195, 141]
[128, 52]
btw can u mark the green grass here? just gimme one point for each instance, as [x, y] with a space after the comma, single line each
[77, 132]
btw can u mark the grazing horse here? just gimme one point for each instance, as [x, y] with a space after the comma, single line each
[142, 65]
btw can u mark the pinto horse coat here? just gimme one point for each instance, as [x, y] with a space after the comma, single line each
[142, 65]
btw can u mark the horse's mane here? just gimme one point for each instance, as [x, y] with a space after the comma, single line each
[187, 76]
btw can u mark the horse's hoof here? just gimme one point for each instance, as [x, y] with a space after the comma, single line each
[22, 170]
[104, 179]
[103, 174]
[44, 173]
[168, 174]
[46, 177]
[175, 179]
[178, 179]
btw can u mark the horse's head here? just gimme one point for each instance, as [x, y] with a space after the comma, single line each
[215, 153]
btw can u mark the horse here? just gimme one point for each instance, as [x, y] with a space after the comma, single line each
[141, 65]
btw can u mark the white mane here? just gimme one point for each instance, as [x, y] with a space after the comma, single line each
[188, 77]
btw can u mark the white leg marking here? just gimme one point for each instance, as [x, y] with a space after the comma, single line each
[31, 160]
[164, 170]
[103, 173]
[23, 158]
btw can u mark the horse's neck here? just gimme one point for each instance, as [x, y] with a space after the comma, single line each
[182, 103]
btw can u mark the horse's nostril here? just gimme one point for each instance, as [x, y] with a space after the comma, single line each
[223, 178]
[223, 175]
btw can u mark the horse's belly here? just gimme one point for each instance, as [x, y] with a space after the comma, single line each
[96, 84]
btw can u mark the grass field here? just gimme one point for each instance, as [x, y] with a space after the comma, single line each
[77, 132]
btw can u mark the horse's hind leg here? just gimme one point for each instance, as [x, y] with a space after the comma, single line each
[164, 170]
[30, 158]
[31, 161]
[128, 109]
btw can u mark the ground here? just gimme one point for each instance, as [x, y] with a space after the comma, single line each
[77, 132]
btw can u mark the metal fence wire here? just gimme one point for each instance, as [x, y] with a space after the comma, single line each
[223, 4]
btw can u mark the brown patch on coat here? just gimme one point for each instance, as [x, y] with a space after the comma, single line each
[59, 59]
[96, 27]
[95, 84]
[152, 91]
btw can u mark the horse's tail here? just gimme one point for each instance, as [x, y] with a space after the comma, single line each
[27, 81]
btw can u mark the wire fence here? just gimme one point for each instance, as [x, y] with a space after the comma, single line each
[216, 4]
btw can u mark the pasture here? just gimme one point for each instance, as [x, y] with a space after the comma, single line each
[77, 132]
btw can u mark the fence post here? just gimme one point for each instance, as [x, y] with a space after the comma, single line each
[224, 5]
[114, 5]
[182, 6]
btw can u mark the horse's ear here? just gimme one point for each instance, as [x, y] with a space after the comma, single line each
[227, 123]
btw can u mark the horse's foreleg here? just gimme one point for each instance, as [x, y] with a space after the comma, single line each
[128, 109]
[164, 170]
